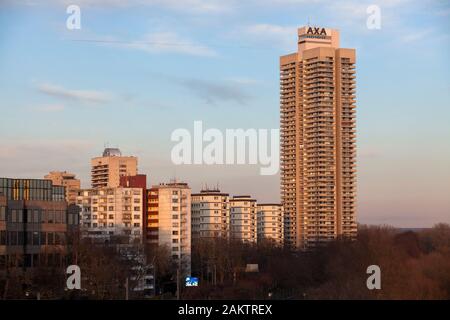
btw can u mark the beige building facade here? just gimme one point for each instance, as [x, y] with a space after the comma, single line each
[243, 219]
[109, 214]
[270, 223]
[67, 180]
[210, 214]
[168, 221]
[107, 169]
[317, 127]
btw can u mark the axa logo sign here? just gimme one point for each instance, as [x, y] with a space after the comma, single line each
[316, 31]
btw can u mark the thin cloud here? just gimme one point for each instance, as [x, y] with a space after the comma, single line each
[191, 6]
[50, 108]
[170, 42]
[38, 157]
[276, 35]
[154, 43]
[243, 80]
[369, 153]
[416, 36]
[215, 92]
[89, 96]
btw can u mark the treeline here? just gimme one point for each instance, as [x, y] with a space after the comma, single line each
[414, 265]
[108, 271]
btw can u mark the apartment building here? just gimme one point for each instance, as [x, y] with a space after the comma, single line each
[168, 221]
[112, 214]
[317, 126]
[67, 180]
[34, 222]
[107, 169]
[243, 219]
[210, 214]
[270, 223]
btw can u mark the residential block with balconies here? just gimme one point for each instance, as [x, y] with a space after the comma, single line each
[243, 219]
[168, 221]
[107, 170]
[210, 214]
[270, 223]
[112, 214]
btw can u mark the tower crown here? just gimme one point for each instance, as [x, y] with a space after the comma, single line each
[112, 152]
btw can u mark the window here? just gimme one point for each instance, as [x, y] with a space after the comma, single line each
[35, 238]
[58, 216]
[51, 216]
[2, 238]
[137, 225]
[2, 213]
[36, 216]
[137, 208]
[20, 238]
[50, 238]
[13, 215]
[57, 238]
[12, 238]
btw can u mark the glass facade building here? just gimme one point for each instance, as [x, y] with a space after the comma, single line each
[34, 221]
[31, 189]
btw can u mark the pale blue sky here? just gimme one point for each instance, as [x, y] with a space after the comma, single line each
[217, 61]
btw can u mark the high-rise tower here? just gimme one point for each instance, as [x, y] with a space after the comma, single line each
[107, 170]
[317, 122]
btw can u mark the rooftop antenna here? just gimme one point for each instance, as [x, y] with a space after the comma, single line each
[174, 177]
[308, 22]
